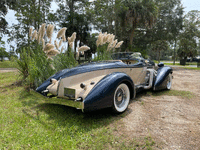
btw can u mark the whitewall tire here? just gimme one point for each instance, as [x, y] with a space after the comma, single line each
[169, 82]
[121, 98]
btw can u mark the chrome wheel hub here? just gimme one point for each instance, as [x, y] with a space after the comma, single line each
[120, 97]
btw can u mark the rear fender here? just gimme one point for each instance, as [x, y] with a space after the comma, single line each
[101, 96]
[46, 83]
[161, 79]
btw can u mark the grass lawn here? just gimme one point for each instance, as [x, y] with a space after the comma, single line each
[185, 67]
[178, 64]
[7, 64]
[29, 123]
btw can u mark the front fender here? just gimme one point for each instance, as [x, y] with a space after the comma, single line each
[101, 96]
[160, 81]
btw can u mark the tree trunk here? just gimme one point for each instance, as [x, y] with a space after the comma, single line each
[71, 7]
[131, 38]
[158, 56]
[182, 62]
[174, 52]
[38, 13]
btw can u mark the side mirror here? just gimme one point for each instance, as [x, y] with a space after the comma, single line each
[161, 64]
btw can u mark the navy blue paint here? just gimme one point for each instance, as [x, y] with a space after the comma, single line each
[94, 66]
[162, 73]
[161, 64]
[101, 96]
[100, 66]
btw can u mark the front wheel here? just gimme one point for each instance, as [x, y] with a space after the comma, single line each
[121, 98]
[169, 82]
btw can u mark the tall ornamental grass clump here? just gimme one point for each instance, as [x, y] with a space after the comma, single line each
[43, 57]
[34, 66]
[106, 45]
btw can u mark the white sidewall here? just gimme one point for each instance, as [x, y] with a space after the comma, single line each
[127, 93]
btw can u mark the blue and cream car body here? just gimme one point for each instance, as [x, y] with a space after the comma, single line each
[105, 84]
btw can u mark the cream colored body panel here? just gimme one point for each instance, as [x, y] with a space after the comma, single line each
[73, 82]
[53, 88]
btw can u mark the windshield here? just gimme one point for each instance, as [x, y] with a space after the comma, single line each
[127, 56]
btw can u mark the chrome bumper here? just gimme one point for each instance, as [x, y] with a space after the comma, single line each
[67, 102]
[63, 101]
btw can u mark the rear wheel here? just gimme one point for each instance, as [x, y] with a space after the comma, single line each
[121, 98]
[169, 81]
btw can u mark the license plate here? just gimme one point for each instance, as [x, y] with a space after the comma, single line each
[70, 93]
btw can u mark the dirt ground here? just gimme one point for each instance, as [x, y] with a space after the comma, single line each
[173, 122]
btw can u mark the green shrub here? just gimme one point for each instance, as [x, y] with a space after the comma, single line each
[103, 53]
[34, 66]
[23, 63]
[64, 60]
[40, 68]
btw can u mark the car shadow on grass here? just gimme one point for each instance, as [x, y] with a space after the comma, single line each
[64, 116]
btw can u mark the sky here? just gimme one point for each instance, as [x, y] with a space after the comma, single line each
[191, 5]
[187, 4]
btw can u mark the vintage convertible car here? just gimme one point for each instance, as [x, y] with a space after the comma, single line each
[113, 83]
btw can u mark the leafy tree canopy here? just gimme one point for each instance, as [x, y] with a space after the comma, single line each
[190, 35]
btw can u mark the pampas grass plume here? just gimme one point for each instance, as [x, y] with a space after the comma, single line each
[110, 45]
[100, 34]
[69, 39]
[111, 38]
[105, 39]
[64, 38]
[43, 30]
[50, 30]
[60, 43]
[34, 35]
[119, 44]
[48, 47]
[62, 49]
[48, 57]
[56, 44]
[30, 31]
[61, 32]
[101, 39]
[73, 37]
[71, 44]
[52, 66]
[114, 43]
[97, 43]
[52, 52]
[43, 43]
[83, 48]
